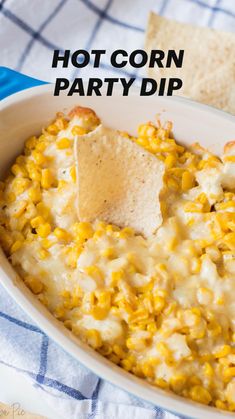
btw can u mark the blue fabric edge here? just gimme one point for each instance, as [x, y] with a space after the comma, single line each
[12, 82]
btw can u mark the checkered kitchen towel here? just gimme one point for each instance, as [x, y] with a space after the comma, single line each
[29, 32]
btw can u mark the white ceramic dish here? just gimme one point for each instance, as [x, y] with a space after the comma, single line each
[24, 114]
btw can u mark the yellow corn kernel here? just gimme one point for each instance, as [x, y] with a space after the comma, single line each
[19, 209]
[208, 370]
[170, 161]
[159, 303]
[204, 200]
[114, 358]
[172, 184]
[177, 172]
[73, 173]
[83, 230]
[30, 211]
[214, 253]
[163, 350]
[117, 349]
[225, 205]
[229, 372]
[223, 351]
[104, 298]
[93, 338]
[37, 221]
[138, 315]
[188, 181]
[94, 272]
[52, 129]
[20, 185]
[214, 329]
[204, 295]
[43, 254]
[229, 240]
[99, 313]
[20, 159]
[63, 143]
[46, 243]
[231, 225]
[34, 173]
[160, 382]
[143, 142]
[35, 194]
[190, 222]
[220, 405]
[116, 277]
[16, 246]
[133, 343]
[98, 233]
[110, 228]
[65, 294]
[127, 364]
[43, 210]
[19, 170]
[224, 219]
[196, 265]
[59, 313]
[200, 394]
[10, 197]
[161, 267]
[62, 234]
[229, 158]
[77, 130]
[73, 256]
[62, 184]
[147, 369]
[31, 143]
[220, 301]
[61, 122]
[41, 146]
[108, 253]
[43, 230]
[171, 245]
[193, 207]
[152, 328]
[146, 130]
[177, 382]
[47, 180]
[127, 232]
[39, 158]
[106, 349]
[34, 284]
[6, 239]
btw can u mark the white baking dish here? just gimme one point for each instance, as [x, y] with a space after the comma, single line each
[24, 114]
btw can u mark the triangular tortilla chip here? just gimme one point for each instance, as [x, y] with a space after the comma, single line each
[118, 181]
[208, 71]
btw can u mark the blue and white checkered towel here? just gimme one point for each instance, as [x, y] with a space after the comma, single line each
[29, 32]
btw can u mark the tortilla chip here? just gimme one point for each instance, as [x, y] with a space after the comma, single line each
[118, 181]
[208, 71]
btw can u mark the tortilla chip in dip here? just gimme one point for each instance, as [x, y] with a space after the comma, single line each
[118, 181]
[208, 70]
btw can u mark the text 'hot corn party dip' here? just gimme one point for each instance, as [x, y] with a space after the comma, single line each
[161, 306]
